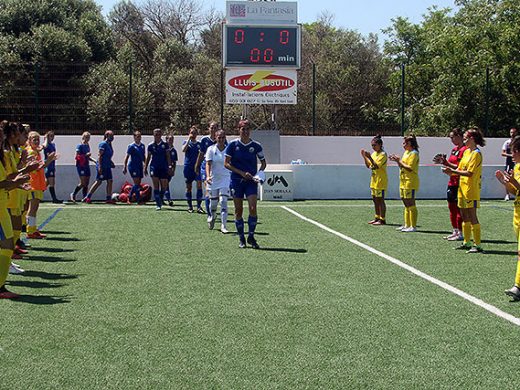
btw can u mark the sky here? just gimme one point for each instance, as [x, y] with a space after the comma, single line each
[365, 16]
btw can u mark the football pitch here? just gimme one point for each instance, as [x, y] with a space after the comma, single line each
[124, 297]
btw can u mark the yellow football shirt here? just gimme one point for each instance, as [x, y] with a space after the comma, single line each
[409, 180]
[516, 218]
[3, 192]
[379, 179]
[471, 162]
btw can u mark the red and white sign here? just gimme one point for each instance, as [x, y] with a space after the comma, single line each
[249, 86]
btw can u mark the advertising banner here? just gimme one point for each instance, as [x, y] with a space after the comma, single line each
[278, 185]
[249, 86]
[261, 12]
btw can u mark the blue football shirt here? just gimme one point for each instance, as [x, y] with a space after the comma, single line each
[108, 152]
[244, 156]
[191, 154]
[136, 153]
[159, 152]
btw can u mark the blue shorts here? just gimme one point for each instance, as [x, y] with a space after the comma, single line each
[106, 174]
[83, 171]
[160, 173]
[241, 187]
[50, 172]
[136, 172]
[189, 174]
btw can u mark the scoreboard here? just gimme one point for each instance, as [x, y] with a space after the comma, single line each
[261, 46]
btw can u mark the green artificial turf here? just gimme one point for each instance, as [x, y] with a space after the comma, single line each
[130, 298]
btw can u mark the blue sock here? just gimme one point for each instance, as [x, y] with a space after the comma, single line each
[108, 197]
[157, 197]
[208, 206]
[240, 228]
[89, 195]
[161, 195]
[136, 190]
[188, 199]
[251, 222]
[167, 195]
[199, 198]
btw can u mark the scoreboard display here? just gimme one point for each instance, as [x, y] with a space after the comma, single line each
[261, 46]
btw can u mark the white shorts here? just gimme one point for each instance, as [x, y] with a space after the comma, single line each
[219, 192]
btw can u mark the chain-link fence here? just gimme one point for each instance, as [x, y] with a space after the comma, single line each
[70, 98]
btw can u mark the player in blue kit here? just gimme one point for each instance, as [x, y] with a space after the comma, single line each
[136, 154]
[241, 160]
[191, 148]
[200, 165]
[50, 171]
[173, 158]
[104, 167]
[160, 166]
[83, 159]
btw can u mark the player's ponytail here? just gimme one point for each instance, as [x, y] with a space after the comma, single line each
[378, 140]
[477, 135]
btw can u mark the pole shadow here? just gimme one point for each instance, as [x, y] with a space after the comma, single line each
[49, 275]
[56, 232]
[501, 253]
[49, 259]
[33, 284]
[51, 250]
[43, 299]
[64, 239]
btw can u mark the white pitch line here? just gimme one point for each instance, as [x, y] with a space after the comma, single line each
[476, 301]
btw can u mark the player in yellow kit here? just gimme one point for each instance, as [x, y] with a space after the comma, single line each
[470, 172]
[408, 181]
[511, 181]
[379, 180]
[7, 182]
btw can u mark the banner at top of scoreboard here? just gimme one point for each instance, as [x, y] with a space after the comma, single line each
[262, 12]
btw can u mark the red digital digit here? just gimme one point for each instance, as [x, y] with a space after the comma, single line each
[284, 37]
[239, 36]
[268, 55]
[254, 55]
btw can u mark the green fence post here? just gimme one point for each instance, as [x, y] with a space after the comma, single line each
[486, 126]
[403, 80]
[130, 101]
[313, 99]
[37, 96]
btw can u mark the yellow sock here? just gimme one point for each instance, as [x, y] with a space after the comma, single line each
[413, 216]
[16, 235]
[466, 231]
[517, 277]
[381, 218]
[407, 217]
[476, 233]
[31, 229]
[5, 262]
[376, 217]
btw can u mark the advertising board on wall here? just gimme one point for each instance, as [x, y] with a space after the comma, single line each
[266, 12]
[278, 185]
[269, 86]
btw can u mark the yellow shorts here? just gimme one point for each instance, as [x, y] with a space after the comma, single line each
[6, 229]
[377, 193]
[23, 197]
[407, 194]
[15, 212]
[13, 199]
[464, 203]
[36, 194]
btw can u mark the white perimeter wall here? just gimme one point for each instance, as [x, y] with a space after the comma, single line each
[334, 171]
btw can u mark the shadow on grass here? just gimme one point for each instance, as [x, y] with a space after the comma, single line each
[33, 284]
[43, 299]
[289, 250]
[51, 250]
[49, 259]
[64, 239]
[55, 232]
[433, 231]
[49, 275]
[498, 242]
[502, 253]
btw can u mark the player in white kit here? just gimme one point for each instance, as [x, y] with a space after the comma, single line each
[217, 181]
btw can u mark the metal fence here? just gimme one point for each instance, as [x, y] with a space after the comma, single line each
[55, 96]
